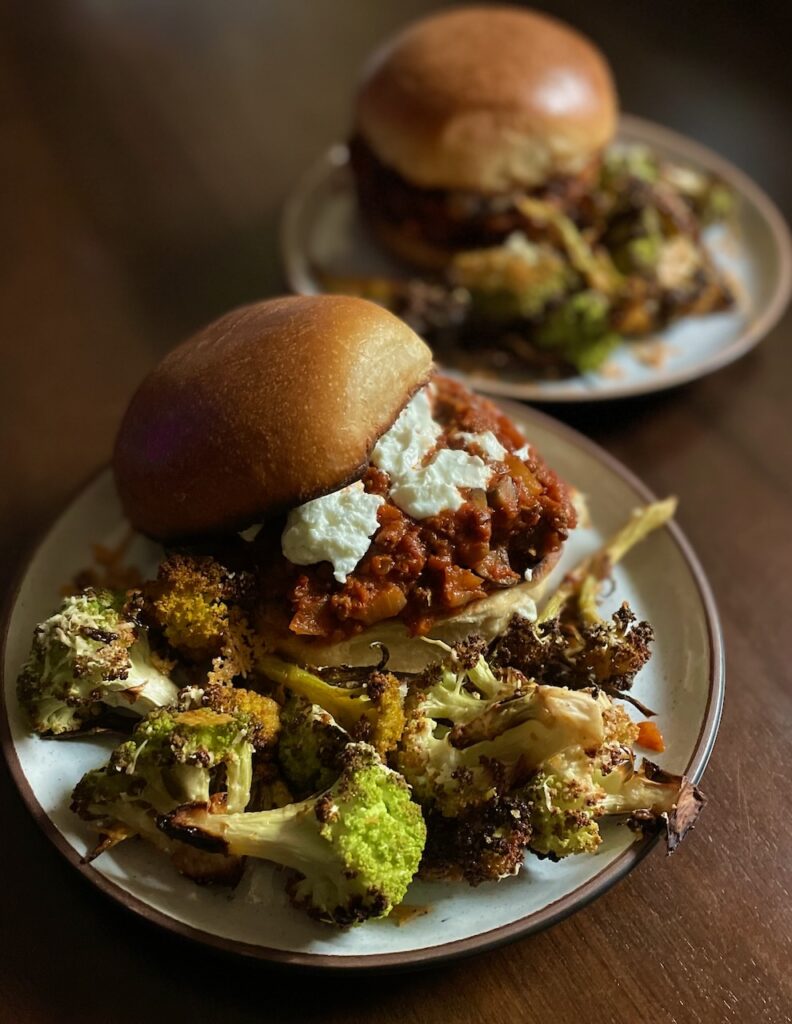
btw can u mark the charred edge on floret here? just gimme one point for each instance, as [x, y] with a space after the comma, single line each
[467, 652]
[358, 909]
[481, 844]
[177, 825]
[607, 654]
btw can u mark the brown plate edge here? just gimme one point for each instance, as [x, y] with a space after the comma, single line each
[431, 955]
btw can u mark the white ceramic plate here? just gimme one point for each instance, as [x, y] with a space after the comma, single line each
[321, 228]
[683, 682]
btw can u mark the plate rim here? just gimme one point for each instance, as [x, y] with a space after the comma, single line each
[294, 262]
[425, 956]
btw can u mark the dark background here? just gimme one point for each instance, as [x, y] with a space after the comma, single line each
[145, 150]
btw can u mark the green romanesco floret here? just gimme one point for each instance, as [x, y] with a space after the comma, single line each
[261, 714]
[565, 803]
[172, 758]
[88, 658]
[373, 712]
[515, 280]
[579, 330]
[455, 766]
[356, 847]
[310, 746]
[572, 791]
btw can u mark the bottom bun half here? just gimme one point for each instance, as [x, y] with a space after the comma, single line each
[486, 618]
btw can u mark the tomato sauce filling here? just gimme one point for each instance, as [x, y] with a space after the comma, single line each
[420, 570]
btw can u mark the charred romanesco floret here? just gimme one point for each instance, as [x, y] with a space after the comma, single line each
[356, 847]
[512, 281]
[568, 652]
[374, 712]
[261, 714]
[481, 844]
[310, 746]
[188, 602]
[199, 606]
[579, 330]
[572, 791]
[461, 749]
[564, 807]
[571, 644]
[85, 659]
[172, 758]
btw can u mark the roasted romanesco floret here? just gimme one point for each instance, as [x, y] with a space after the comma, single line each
[564, 807]
[261, 714]
[88, 658]
[572, 791]
[579, 330]
[456, 766]
[199, 605]
[172, 758]
[515, 280]
[310, 746]
[356, 847]
[188, 602]
[481, 844]
[373, 712]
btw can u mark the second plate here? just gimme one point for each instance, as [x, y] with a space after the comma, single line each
[321, 229]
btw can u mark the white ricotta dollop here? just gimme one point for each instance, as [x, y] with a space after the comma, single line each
[335, 528]
[435, 487]
[524, 452]
[411, 437]
[485, 442]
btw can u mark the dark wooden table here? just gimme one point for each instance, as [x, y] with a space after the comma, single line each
[146, 148]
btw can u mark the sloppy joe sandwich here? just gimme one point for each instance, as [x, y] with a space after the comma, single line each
[484, 155]
[310, 443]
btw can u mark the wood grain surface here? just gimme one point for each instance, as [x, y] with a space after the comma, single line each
[146, 148]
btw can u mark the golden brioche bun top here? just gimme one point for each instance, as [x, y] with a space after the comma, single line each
[271, 405]
[486, 99]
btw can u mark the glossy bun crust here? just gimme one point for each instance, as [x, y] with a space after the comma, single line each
[271, 405]
[486, 99]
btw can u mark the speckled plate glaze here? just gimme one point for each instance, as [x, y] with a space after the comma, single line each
[683, 682]
[321, 229]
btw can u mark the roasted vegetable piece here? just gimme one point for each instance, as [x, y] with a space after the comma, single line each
[593, 264]
[88, 658]
[374, 712]
[453, 768]
[579, 330]
[199, 605]
[189, 601]
[567, 653]
[572, 791]
[571, 644]
[356, 847]
[512, 281]
[310, 746]
[460, 686]
[481, 844]
[261, 714]
[172, 758]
